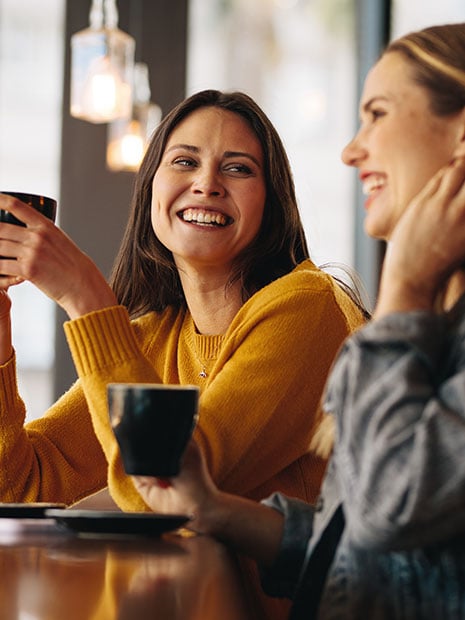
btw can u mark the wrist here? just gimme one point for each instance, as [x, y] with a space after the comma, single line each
[214, 516]
[89, 298]
[396, 295]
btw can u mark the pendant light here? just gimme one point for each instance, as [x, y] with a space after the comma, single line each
[102, 67]
[128, 137]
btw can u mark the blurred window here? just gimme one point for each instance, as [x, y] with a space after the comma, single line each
[296, 58]
[31, 67]
[408, 15]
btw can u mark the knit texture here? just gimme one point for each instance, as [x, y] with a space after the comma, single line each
[259, 404]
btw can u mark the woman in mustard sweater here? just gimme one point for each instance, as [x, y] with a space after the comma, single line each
[213, 285]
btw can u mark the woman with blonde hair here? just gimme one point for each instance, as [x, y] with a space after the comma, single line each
[386, 540]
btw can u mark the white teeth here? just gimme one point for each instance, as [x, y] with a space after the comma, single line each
[204, 217]
[373, 183]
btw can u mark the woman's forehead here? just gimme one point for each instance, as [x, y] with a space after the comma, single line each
[390, 79]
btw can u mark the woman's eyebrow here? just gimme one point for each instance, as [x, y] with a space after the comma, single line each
[366, 106]
[241, 154]
[187, 147]
[226, 154]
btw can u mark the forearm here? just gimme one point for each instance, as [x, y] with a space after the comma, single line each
[397, 295]
[105, 350]
[90, 294]
[401, 290]
[427, 245]
[251, 528]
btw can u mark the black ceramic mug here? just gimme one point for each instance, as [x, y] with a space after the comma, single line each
[45, 205]
[152, 424]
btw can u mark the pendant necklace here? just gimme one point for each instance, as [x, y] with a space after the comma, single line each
[203, 371]
[202, 347]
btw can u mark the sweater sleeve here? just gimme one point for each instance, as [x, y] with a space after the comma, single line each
[106, 350]
[398, 391]
[56, 458]
[282, 577]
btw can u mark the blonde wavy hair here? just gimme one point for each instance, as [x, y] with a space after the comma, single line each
[437, 58]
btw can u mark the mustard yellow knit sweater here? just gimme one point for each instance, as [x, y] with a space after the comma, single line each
[259, 403]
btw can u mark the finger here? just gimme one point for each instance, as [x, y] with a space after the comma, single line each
[431, 187]
[163, 483]
[460, 150]
[7, 281]
[9, 269]
[22, 211]
[453, 178]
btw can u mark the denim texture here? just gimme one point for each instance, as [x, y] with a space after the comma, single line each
[397, 391]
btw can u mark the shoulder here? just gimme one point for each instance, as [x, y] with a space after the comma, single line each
[151, 323]
[309, 287]
[306, 278]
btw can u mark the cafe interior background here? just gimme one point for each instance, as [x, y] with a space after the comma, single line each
[303, 61]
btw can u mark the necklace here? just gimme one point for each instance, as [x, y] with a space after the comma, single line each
[204, 349]
[203, 369]
[203, 372]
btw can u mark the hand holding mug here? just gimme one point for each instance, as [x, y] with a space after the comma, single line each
[48, 258]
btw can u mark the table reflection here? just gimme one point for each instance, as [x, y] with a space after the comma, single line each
[47, 574]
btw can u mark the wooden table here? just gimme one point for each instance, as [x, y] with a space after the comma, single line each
[49, 574]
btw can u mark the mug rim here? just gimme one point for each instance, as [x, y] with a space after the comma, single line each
[16, 194]
[152, 386]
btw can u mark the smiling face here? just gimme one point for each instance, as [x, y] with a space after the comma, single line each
[400, 143]
[208, 193]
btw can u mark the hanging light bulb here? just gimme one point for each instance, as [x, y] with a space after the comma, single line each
[102, 66]
[128, 137]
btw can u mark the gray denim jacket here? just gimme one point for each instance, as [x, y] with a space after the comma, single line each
[397, 391]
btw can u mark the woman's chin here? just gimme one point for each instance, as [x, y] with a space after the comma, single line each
[373, 230]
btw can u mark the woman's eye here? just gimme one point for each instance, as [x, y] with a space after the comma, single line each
[376, 114]
[238, 169]
[186, 162]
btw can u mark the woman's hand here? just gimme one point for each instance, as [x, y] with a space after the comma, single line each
[247, 526]
[427, 245]
[46, 256]
[192, 492]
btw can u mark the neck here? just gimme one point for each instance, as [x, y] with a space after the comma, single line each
[212, 303]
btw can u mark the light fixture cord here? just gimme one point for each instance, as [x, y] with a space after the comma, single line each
[96, 15]
[98, 9]
[111, 14]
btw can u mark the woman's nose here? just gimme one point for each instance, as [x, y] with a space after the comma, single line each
[207, 181]
[354, 153]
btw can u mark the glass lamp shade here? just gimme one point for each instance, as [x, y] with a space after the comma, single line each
[128, 138]
[102, 65]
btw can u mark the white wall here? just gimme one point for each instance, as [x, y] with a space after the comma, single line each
[31, 59]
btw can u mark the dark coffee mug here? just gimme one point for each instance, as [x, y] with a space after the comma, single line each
[45, 205]
[152, 424]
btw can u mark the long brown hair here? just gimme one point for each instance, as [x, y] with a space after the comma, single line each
[437, 58]
[145, 276]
